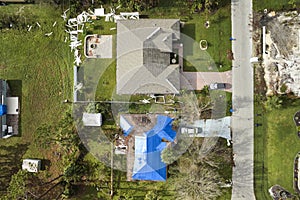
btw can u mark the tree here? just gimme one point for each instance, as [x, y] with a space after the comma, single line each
[152, 195]
[196, 6]
[273, 102]
[74, 172]
[168, 156]
[91, 107]
[43, 136]
[198, 182]
[198, 170]
[207, 7]
[205, 90]
[17, 186]
[292, 3]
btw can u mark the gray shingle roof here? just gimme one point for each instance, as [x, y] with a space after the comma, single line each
[143, 56]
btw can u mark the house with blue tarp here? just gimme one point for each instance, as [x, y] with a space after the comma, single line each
[9, 108]
[125, 125]
[3, 108]
[148, 145]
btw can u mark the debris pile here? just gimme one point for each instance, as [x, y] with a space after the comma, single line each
[281, 60]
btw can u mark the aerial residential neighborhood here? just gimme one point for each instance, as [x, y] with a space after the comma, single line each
[150, 99]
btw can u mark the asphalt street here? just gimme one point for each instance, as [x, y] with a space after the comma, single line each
[242, 101]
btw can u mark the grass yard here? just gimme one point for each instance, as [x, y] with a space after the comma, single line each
[100, 74]
[260, 155]
[217, 37]
[107, 83]
[43, 66]
[276, 144]
[99, 79]
[260, 5]
[43, 69]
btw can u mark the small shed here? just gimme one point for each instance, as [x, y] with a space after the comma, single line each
[12, 105]
[92, 119]
[31, 165]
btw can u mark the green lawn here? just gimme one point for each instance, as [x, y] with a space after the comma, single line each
[44, 70]
[276, 144]
[277, 5]
[260, 155]
[99, 79]
[99, 74]
[107, 83]
[195, 60]
[217, 37]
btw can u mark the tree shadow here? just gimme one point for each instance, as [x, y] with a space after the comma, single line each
[45, 164]
[190, 31]
[11, 161]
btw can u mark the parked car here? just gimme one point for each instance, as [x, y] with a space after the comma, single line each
[191, 130]
[217, 86]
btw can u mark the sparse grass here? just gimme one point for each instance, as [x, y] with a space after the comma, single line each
[260, 5]
[43, 66]
[276, 144]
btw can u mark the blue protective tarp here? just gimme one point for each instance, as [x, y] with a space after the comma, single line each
[3, 110]
[148, 164]
[125, 125]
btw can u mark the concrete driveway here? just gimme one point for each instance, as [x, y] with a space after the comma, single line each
[198, 80]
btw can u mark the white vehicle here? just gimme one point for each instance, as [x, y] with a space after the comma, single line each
[191, 130]
[217, 86]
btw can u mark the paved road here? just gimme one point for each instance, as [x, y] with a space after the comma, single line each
[242, 89]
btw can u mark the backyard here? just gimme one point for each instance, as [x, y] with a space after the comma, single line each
[43, 67]
[276, 145]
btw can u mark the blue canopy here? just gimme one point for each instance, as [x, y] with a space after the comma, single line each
[3, 109]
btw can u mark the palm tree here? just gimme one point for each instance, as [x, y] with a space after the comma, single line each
[273, 102]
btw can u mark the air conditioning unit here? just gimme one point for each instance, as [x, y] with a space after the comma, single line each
[10, 129]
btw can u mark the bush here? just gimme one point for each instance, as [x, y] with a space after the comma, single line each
[283, 88]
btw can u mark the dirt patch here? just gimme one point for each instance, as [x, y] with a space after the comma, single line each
[260, 84]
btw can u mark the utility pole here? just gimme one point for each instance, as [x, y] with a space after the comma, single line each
[112, 171]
